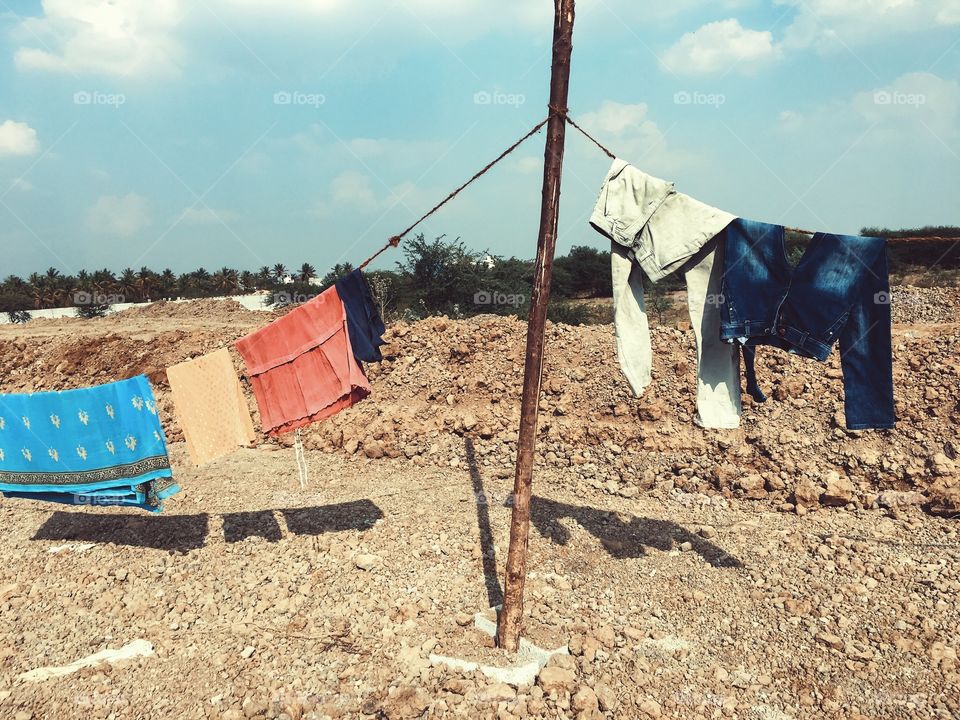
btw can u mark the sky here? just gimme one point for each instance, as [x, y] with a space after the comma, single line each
[187, 133]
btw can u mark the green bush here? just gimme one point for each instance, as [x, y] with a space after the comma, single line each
[570, 313]
[91, 311]
[584, 272]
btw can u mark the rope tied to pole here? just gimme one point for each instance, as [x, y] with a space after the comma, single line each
[565, 114]
[395, 240]
[555, 111]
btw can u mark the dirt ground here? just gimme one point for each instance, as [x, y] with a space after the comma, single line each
[788, 569]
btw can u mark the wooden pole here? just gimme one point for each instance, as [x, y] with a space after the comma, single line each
[511, 617]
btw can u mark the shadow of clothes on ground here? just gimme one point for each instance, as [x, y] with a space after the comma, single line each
[162, 532]
[354, 515]
[180, 533]
[242, 525]
[488, 553]
[620, 538]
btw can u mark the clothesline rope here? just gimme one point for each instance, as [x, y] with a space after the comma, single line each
[589, 137]
[394, 241]
[885, 237]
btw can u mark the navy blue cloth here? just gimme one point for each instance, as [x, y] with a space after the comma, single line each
[839, 292]
[364, 323]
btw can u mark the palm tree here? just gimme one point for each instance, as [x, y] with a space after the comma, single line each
[106, 277]
[167, 283]
[146, 282]
[104, 282]
[226, 280]
[127, 283]
[279, 272]
[14, 283]
[186, 284]
[336, 272]
[248, 281]
[35, 281]
[307, 271]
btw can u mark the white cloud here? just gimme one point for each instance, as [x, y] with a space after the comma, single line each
[623, 121]
[118, 216]
[949, 14]
[453, 20]
[831, 25]
[791, 120]
[359, 193]
[914, 100]
[530, 164]
[721, 47]
[354, 189]
[629, 133]
[202, 215]
[17, 138]
[122, 37]
[914, 112]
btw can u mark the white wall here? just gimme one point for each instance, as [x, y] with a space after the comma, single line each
[250, 302]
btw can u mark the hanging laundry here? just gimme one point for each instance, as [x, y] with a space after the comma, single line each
[839, 292]
[210, 406]
[302, 366]
[363, 318]
[98, 446]
[657, 230]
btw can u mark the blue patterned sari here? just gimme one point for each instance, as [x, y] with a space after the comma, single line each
[93, 446]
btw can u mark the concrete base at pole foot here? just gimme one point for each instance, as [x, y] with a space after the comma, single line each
[529, 659]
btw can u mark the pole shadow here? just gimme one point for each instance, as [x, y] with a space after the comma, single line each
[488, 552]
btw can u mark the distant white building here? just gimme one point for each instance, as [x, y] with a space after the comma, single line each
[291, 279]
[489, 260]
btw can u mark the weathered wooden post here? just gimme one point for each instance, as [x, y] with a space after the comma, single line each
[511, 617]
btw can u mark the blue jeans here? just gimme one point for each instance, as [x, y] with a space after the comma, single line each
[839, 292]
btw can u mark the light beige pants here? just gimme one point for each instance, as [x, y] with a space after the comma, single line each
[718, 371]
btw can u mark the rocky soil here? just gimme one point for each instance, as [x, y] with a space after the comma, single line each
[912, 304]
[788, 569]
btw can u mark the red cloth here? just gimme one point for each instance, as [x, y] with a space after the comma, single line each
[302, 367]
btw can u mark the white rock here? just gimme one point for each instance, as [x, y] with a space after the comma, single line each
[135, 649]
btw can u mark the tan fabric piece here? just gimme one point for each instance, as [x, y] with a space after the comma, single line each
[210, 406]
